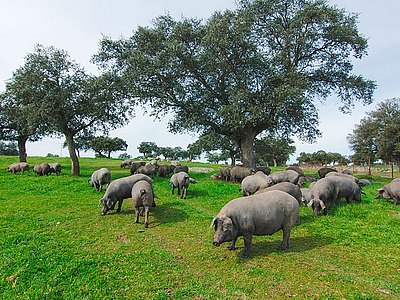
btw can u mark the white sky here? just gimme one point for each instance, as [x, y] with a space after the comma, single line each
[77, 26]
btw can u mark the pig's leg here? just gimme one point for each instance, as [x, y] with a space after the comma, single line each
[247, 245]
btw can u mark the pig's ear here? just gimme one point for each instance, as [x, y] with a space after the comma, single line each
[227, 224]
[322, 204]
[213, 222]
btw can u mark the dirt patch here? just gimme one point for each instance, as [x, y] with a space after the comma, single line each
[201, 170]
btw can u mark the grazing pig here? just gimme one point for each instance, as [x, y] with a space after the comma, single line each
[55, 168]
[136, 165]
[297, 169]
[165, 170]
[286, 187]
[225, 173]
[126, 163]
[142, 198]
[100, 177]
[305, 195]
[363, 182]
[343, 175]
[253, 183]
[328, 190]
[284, 176]
[18, 167]
[265, 169]
[323, 171]
[181, 181]
[120, 189]
[238, 173]
[181, 169]
[390, 191]
[42, 169]
[262, 214]
[148, 169]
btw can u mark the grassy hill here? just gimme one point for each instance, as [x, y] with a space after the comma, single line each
[56, 245]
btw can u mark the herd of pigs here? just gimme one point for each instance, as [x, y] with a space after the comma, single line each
[270, 201]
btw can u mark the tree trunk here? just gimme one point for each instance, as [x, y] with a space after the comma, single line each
[369, 165]
[246, 144]
[109, 154]
[233, 159]
[274, 160]
[22, 148]
[75, 169]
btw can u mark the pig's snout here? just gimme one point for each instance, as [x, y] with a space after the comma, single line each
[216, 244]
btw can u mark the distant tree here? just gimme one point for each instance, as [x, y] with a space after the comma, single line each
[19, 121]
[124, 156]
[104, 145]
[215, 157]
[8, 148]
[148, 149]
[211, 141]
[377, 135]
[52, 155]
[82, 142]
[259, 68]
[304, 158]
[67, 99]
[194, 151]
[272, 150]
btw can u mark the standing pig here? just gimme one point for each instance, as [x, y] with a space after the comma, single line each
[284, 176]
[181, 181]
[142, 198]
[55, 168]
[391, 190]
[18, 167]
[328, 190]
[120, 189]
[42, 169]
[286, 187]
[262, 214]
[100, 177]
[253, 183]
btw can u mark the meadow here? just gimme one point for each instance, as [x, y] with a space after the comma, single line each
[55, 244]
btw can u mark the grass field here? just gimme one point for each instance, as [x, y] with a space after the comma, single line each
[56, 245]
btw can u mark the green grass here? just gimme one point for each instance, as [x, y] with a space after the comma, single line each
[56, 245]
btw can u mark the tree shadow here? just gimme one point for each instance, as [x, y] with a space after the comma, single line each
[297, 244]
[167, 213]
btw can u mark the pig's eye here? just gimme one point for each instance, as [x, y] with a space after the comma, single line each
[225, 229]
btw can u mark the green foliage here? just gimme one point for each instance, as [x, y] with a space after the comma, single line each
[377, 135]
[321, 158]
[8, 148]
[56, 90]
[124, 156]
[104, 145]
[56, 245]
[273, 150]
[148, 149]
[243, 72]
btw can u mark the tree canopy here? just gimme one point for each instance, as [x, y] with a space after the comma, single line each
[377, 135]
[259, 68]
[104, 145]
[67, 99]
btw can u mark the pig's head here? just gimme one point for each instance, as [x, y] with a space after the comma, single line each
[224, 230]
[317, 206]
[108, 204]
[381, 193]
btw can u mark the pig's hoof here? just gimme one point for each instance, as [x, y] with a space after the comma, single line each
[146, 225]
[245, 255]
[230, 247]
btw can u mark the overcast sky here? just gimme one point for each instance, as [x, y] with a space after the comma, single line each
[77, 26]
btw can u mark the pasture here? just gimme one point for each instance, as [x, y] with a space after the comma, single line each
[56, 245]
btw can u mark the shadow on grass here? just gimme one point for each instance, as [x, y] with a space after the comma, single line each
[297, 244]
[167, 213]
